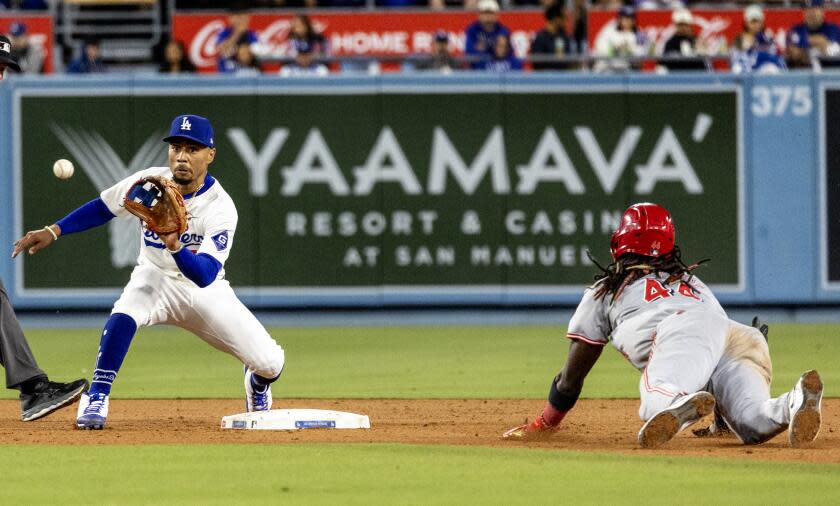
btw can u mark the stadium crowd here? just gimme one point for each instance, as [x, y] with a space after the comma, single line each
[561, 44]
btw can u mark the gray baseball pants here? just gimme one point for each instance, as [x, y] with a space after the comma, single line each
[15, 355]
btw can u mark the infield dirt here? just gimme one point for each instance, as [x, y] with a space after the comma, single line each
[594, 426]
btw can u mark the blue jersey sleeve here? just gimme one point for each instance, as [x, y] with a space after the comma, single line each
[472, 40]
[200, 268]
[90, 215]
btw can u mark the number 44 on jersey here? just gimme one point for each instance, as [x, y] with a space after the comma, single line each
[655, 290]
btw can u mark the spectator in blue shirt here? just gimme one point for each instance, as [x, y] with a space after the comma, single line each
[305, 63]
[753, 50]
[503, 58]
[483, 34]
[243, 62]
[815, 37]
[90, 61]
[235, 33]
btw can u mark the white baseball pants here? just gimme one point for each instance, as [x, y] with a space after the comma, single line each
[213, 313]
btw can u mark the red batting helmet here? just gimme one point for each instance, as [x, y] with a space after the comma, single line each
[645, 229]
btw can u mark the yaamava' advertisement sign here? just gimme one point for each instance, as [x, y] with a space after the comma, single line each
[471, 191]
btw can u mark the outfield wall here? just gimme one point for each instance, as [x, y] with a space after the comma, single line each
[469, 189]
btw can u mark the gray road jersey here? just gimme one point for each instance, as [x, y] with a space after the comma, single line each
[630, 321]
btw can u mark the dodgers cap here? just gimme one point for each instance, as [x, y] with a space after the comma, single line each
[191, 127]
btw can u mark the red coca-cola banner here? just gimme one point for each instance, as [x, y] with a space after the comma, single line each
[715, 29]
[351, 33]
[40, 32]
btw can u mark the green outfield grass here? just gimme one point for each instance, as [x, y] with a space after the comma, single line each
[416, 362]
[397, 362]
[396, 474]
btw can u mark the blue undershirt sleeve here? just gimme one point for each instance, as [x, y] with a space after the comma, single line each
[90, 215]
[200, 268]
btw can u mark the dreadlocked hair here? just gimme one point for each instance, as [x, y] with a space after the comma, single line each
[616, 276]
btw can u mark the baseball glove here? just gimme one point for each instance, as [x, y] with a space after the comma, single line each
[157, 201]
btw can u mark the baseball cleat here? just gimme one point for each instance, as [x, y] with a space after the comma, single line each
[256, 400]
[537, 430]
[762, 327]
[49, 398]
[670, 421]
[93, 410]
[805, 400]
[718, 428]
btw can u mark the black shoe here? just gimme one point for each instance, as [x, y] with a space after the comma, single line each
[49, 398]
[718, 428]
[762, 327]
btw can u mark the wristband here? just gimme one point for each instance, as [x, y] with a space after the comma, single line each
[180, 247]
[562, 401]
[49, 229]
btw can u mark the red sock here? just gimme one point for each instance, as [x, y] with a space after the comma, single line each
[551, 415]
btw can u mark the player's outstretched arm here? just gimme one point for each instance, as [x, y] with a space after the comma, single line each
[87, 216]
[563, 394]
[569, 383]
[36, 240]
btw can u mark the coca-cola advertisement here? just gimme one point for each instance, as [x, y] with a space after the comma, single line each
[715, 29]
[39, 31]
[350, 33]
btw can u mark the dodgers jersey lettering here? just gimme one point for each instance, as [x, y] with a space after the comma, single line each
[630, 321]
[211, 225]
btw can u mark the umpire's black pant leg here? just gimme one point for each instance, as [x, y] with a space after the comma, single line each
[15, 355]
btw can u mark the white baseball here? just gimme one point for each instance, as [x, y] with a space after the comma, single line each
[63, 169]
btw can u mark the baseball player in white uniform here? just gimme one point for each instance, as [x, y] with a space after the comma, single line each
[670, 327]
[178, 280]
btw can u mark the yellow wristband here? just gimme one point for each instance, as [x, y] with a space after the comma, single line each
[49, 229]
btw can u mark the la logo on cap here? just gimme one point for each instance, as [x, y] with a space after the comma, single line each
[185, 124]
[5, 47]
